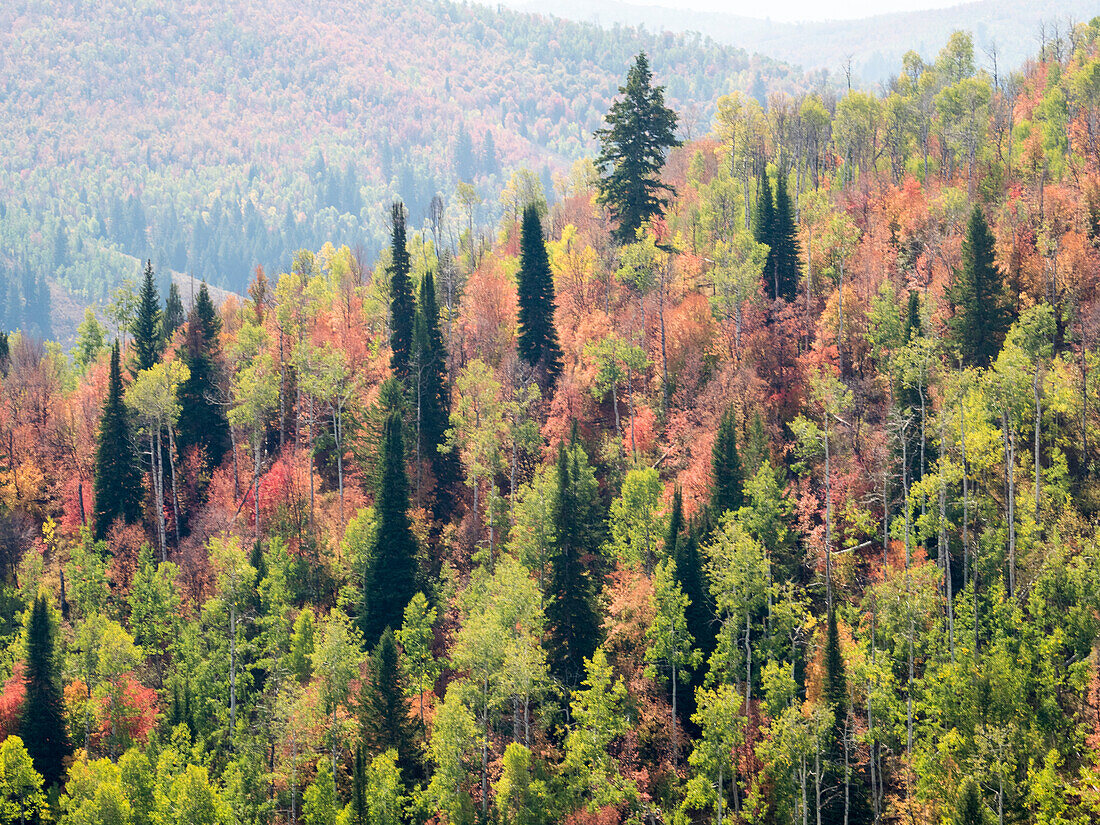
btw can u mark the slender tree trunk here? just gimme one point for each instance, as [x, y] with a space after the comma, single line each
[664, 353]
[1038, 418]
[175, 489]
[1010, 500]
[232, 671]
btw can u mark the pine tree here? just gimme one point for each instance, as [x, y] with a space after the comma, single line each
[834, 688]
[912, 316]
[174, 316]
[118, 491]
[763, 230]
[42, 724]
[147, 327]
[571, 587]
[202, 421]
[391, 580]
[969, 808]
[727, 475]
[982, 314]
[434, 411]
[785, 255]
[640, 130]
[538, 337]
[358, 802]
[402, 308]
[386, 721]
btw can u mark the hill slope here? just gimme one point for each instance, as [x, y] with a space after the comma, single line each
[213, 141]
[874, 44]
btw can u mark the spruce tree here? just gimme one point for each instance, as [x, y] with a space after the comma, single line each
[117, 483]
[174, 316]
[640, 130]
[982, 314]
[402, 308]
[784, 256]
[571, 615]
[727, 475]
[912, 316]
[969, 807]
[538, 337]
[147, 327]
[434, 403]
[391, 580]
[763, 230]
[386, 722]
[358, 803]
[42, 723]
[202, 421]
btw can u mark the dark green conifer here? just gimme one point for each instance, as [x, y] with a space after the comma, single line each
[118, 491]
[174, 316]
[538, 336]
[359, 790]
[42, 722]
[763, 230]
[784, 257]
[147, 327]
[912, 316]
[727, 476]
[391, 580]
[202, 422]
[386, 721]
[640, 130]
[982, 314]
[433, 411]
[969, 807]
[402, 307]
[571, 586]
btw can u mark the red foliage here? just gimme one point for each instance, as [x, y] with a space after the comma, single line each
[11, 700]
[134, 719]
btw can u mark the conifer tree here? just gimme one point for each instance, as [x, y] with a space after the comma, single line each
[386, 722]
[912, 316]
[970, 809]
[402, 307]
[538, 337]
[147, 327]
[42, 724]
[358, 803]
[692, 578]
[571, 614]
[784, 255]
[763, 230]
[727, 475]
[118, 491]
[982, 314]
[391, 580]
[202, 421]
[640, 130]
[433, 403]
[174, 316]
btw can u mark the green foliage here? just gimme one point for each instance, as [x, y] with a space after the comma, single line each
[640, 130]
[402, 306]
[21, 796]
[981, 313]
[42, 725]
[538, 335]
[118, 491]
[727, 476]
[147, 325]
[637, 523]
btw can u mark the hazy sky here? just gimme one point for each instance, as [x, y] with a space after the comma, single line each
[801, 9]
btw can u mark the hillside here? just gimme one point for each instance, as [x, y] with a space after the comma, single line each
[875, 44]
[214, 142]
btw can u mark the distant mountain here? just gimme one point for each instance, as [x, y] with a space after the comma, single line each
[213, 137]
[874, 44]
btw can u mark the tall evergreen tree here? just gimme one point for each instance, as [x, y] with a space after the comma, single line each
[969, 807]
[690, 575]
[727, 475]
[391, 580]
[784, 257]
[174, 316]
[117, 483]
[433, 401]
[912, 316]
[538, 336]
[147, 327]
[982, 314]
[763, 230]
[640, 130]
[571, 586]
[202, 421]
[386, 722]
[42, 723]
[402, 307]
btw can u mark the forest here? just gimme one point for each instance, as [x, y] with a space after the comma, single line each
[755, 479]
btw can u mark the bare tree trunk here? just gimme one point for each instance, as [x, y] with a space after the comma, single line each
[175, 491]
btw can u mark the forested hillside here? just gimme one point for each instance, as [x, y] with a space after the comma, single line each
[754, 480]
[216, 140]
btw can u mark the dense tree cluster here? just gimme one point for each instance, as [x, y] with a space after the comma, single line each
[787, 518]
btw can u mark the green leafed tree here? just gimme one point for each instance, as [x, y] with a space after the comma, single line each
[640, 130]
[402, 306]
[147, 326]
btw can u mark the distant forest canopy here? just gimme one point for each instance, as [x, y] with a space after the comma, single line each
[213, 141]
